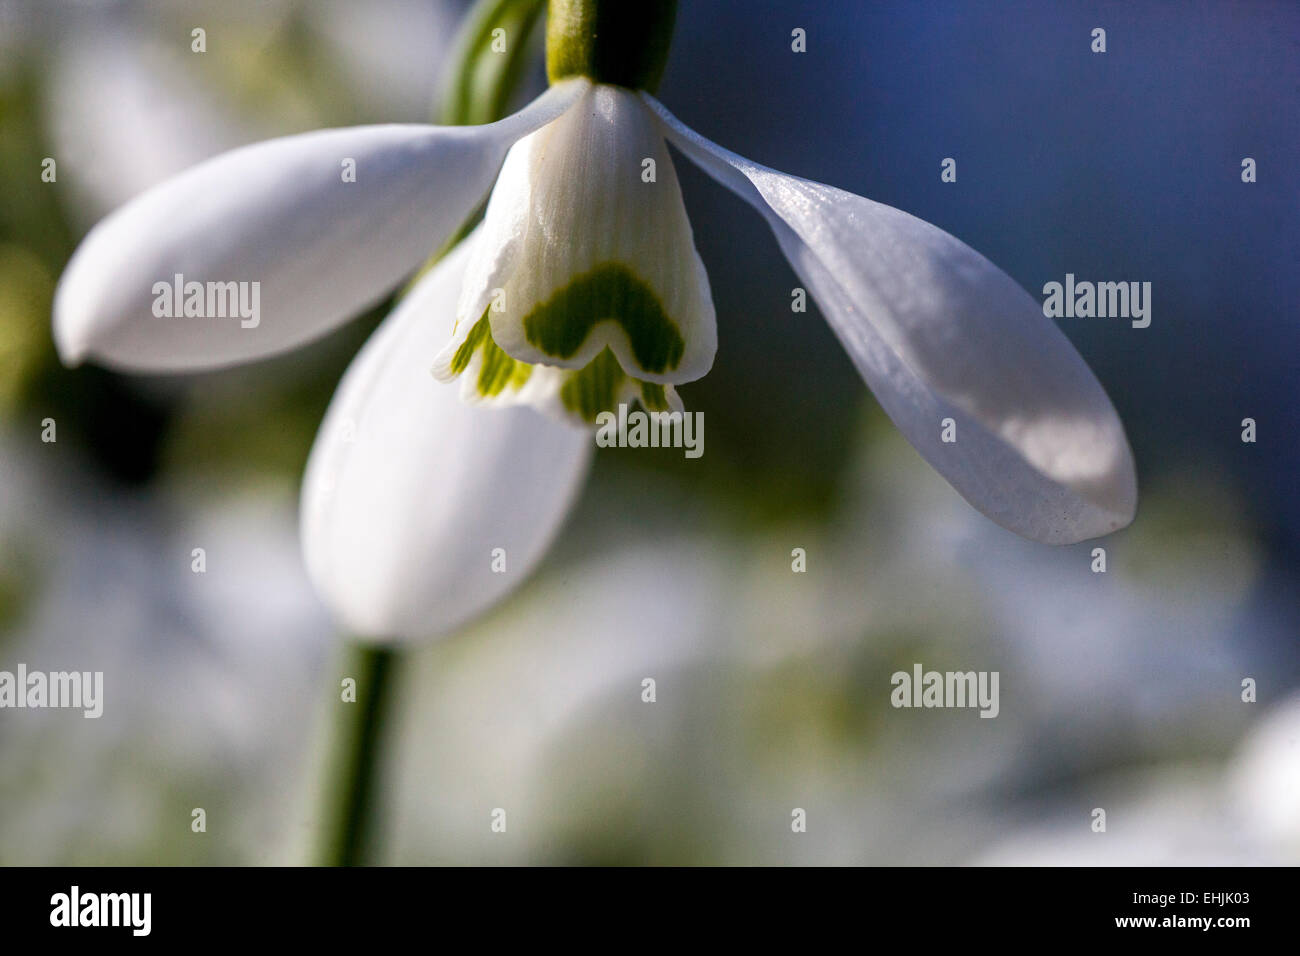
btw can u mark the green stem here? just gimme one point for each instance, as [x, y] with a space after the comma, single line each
[481, 84]
[481, 80]
[350, 835]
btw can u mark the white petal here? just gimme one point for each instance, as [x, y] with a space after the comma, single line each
[572, 203]
[409, 490]
[279, 214]
[940, 332]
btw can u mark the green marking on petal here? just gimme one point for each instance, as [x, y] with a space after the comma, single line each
[594, 388]
[498, 370]
[586, 392]
[610, 292]
[601, 384]
[460, 361]
[520, 376]
[653, 397]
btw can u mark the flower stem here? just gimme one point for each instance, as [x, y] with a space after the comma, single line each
[351, 824]
[485, 69]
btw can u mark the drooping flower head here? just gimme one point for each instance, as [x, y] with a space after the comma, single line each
[581, 289]
[586, 290]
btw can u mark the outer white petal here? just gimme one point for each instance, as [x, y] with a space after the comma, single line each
[571, 198]
[279, 214]
[408, 490]
[940, 332]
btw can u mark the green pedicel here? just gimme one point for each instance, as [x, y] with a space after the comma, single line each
[623, 42]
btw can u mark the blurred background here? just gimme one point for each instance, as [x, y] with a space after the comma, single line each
[1120, 691]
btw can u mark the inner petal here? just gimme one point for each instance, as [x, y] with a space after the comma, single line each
[561, 326]
[588, 248]
[490, 376]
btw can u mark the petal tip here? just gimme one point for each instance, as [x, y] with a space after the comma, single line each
[70, 342]
[72, 356]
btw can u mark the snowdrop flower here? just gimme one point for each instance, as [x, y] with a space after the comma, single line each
[583, 288]
[409, 492]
